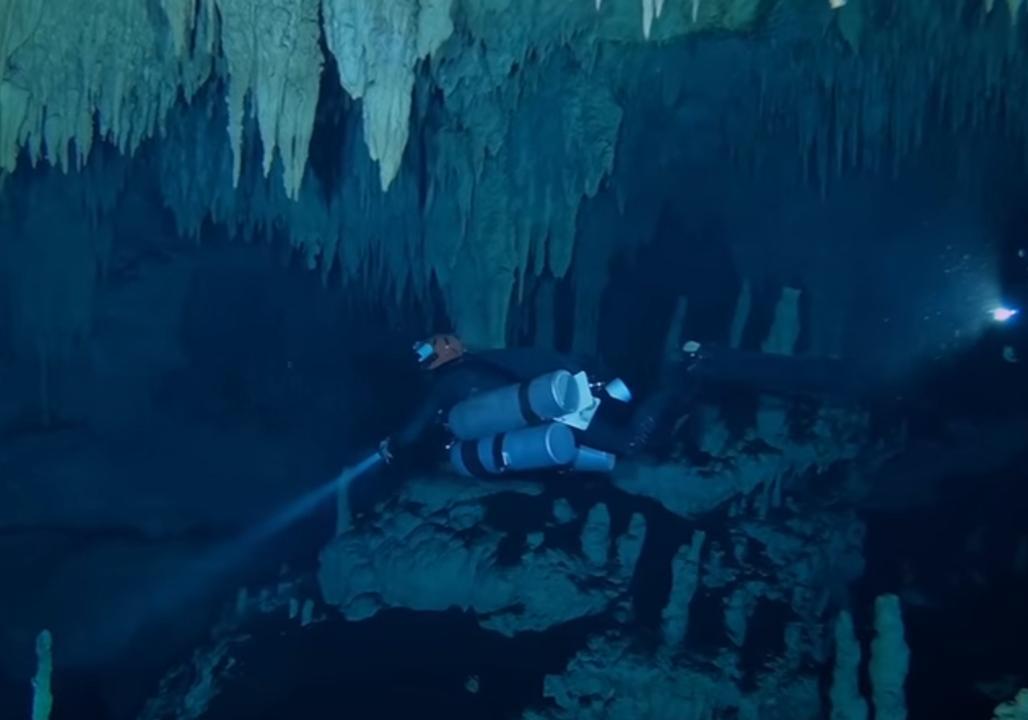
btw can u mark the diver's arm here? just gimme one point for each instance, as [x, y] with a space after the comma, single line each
[447, 387]
[417, 427]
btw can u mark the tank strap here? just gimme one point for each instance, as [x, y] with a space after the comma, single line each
[469, 456]
[525, 405]
[498, 459]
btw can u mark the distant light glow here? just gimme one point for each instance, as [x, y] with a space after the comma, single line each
[1002, 314]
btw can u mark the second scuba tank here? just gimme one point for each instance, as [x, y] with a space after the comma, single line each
[515, 406]
[541, 447]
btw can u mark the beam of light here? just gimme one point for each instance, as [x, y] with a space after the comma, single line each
[234, 553]
[306, 504]
[1002, 314]
[158, 599]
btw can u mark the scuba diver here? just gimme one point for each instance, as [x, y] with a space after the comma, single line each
[521, 410]
[504, 413]
[517, 410]
[524, 411]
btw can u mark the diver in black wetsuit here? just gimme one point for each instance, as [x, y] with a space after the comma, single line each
[506, 413]
[528, 411]
[489, 396]
[480, 403]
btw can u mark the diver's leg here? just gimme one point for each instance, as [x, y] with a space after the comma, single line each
[656, 411]
[626, 436]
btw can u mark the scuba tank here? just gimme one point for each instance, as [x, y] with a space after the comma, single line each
[514, 407]
[540, 447]
[530, 426]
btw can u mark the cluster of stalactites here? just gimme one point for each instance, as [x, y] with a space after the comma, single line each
[692, 15]
[870, 94]
[525, 120]
[65, 64]
[68, 69]
[488, 209]
[71, 70]
[68, 66]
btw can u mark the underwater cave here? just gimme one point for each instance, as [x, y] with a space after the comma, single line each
[536, 360]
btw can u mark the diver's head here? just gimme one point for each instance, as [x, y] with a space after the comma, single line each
[438, 350]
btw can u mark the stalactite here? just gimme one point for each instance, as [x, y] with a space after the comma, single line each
[380, 235]
[496, 201]
[75, 61]
[273, 58]
[195, 166]
[376, 46]
[648, 14]
[181, 14]
[482, 275]
[20, 20]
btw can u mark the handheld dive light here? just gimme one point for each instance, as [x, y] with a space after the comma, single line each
[1003, 314]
